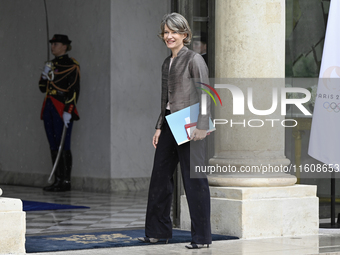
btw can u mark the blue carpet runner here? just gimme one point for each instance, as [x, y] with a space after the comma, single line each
[40, 206]
[110, 239]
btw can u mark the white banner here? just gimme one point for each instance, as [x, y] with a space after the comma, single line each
[324, 144]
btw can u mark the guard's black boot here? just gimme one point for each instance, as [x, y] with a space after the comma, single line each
[63, 176]
[67, 163]
[55, 186]
[57, 174]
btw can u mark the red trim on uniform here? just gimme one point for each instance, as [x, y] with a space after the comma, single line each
[42, 109]
[59, 107]
[70, 109]
[76, 112]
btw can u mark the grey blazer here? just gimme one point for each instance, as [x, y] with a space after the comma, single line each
[180, 83]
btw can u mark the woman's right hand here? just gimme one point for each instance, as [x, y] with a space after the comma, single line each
[156, 137]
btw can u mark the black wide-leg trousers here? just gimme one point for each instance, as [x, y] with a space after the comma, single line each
[158, 222]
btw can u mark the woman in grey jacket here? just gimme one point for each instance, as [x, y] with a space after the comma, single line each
[179, 90]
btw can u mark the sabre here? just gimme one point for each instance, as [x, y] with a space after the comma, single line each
[50, 76]
[59, 153]
[47, 32]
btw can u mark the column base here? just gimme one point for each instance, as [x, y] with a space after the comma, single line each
[252, 180]
[261, 212]
[269, 170]
[12, 227]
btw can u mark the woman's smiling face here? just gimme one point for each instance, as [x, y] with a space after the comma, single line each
[173, 39]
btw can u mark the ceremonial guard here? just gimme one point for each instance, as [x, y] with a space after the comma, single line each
[60, 80]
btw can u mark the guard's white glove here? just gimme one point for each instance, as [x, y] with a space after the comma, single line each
[44, 73]
[67, 117]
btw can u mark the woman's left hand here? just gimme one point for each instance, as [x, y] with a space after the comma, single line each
[198, 134]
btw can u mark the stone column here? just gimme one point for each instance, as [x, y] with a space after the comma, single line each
[250, 45]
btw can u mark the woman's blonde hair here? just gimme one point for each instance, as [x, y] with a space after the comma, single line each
[176, 22]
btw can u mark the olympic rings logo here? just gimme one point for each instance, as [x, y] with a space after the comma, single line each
[332, 107]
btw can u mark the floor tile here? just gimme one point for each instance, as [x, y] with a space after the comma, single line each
[106, 210]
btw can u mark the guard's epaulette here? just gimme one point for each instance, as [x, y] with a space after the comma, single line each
[75, 61]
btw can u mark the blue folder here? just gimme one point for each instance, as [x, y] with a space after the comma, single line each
[178, 120]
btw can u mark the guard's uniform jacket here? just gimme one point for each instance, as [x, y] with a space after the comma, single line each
[64, 89]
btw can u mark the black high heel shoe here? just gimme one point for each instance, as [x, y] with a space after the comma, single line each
[150, 240]
[197, 246]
